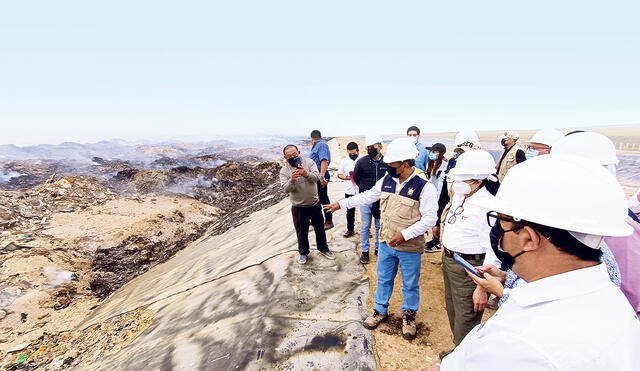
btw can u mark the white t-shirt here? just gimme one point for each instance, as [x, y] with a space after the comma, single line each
[346, 168]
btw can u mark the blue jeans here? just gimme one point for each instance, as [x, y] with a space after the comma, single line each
[388, 259]
[365, 231]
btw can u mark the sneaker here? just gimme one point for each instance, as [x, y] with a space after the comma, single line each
[328, 225]
[364, 259]
[409, 324]
[328, 254]
[431, 248]
[444, 353]
[302, 259]
[348, 234]
[374, 320]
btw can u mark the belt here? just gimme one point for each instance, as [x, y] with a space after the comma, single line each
[450, 253]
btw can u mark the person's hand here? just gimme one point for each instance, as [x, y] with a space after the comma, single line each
[295, 175]
[436, 232]
[489, 283]
[397, 239]
[302, 172]
[323, 181]
[332, 207]
[432, 368]
[479, 299]
[494, 271]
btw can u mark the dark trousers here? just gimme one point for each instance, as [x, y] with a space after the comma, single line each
[324, 199]
[351, 216]
[301, 218]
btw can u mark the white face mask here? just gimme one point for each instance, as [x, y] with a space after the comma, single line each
[461, 188]
[414, 139]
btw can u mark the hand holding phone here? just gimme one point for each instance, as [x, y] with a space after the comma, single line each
[466, 265]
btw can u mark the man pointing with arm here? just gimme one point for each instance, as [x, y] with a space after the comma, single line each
[408, 206]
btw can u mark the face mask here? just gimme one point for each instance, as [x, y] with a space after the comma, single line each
[495, 237]
[372, 152]
[432, 156]
[503, 142]
[353, 157]
[393, 172]
[461, 188]
[531, 153]
[414, 139]
[295, 161]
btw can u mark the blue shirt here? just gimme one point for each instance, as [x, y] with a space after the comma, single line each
[423, 157]
[319, 152]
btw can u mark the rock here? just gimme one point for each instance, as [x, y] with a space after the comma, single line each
[68, 209]
[2, 314]
[12, 246]
[18, 347]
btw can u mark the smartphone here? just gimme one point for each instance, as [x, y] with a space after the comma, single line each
[466, 265]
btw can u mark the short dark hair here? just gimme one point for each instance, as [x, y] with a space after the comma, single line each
[316, 134]
[564, 241]
[413, 128]
[410, 162]
[289, 146]
[352, 146]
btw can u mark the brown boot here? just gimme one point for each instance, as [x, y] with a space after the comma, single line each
[374, 320]
[348, 234]
[409, 324]
[328, 225]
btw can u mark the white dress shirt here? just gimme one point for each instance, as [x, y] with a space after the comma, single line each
[577, 321]
[346, 167]
[470, 232]
[428, 205]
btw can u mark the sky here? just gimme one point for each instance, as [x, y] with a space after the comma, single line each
[194, 70]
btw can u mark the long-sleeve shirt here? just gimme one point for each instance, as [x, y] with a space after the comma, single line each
[303, 192]
[423, 157]
[428, 205]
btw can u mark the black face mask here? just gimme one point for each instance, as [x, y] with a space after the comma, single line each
[503, 142]
[495, 237]
[372, 152]
[295, 161]
[393, 172]
[353, 157]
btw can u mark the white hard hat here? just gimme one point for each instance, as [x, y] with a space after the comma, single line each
[594, 146]
[466, 136]
[372, 139]
[547, 136]
[575, 194]
[509, 134]
[401, 149]
[477, 164]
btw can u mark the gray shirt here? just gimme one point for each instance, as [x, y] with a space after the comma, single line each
[302, 192]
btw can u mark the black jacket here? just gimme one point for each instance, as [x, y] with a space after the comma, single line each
[366, 173]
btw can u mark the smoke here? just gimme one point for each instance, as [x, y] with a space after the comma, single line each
[189, 188]
[56, 276]
[5, 177]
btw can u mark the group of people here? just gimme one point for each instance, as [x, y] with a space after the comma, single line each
[546, 229]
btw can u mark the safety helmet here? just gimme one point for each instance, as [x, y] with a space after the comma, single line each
[401, 149]
[575, 194]
[547, 137]
[510, 134]
[594, 146]
[466, 136]
[370, 140]
[477, 164]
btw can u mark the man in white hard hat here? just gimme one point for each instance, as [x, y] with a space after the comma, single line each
[367, 171]
[541, 142]
[408, 209]
[512, 154]
[569, 316]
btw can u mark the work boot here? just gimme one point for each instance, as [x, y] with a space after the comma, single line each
[348, 234]
[364, 259]
[444, 353]
[409, 324]
[328, 225]
[374, 320]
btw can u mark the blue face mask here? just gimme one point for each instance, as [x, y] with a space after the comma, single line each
[432, 156]
[530, 153]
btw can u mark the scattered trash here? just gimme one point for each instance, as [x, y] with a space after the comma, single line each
[22, 358]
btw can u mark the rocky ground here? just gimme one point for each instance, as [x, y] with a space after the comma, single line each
[67, 242]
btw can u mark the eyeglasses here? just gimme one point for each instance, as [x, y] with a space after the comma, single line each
[459, 210]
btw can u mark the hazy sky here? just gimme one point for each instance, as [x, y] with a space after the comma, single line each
[89, 70]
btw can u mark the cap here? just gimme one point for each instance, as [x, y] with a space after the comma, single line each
[439, 147]
[509, 134]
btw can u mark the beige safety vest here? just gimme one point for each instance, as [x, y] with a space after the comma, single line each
[397, 213]
[508, 162]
